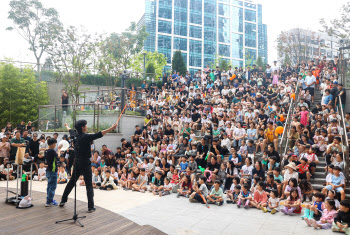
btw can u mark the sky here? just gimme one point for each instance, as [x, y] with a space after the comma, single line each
[107, 16]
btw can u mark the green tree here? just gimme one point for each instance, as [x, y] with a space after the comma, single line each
[178, 63]
[157, 59]
[340, 27]
[38, 25]
[71, 55]
[150, 68]
[224, 65]
[20, 94]
[260, 63]
[125, 46]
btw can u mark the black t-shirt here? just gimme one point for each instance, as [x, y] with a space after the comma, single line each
[51, 159]
[196, 117]
[343, 96]
[138, 132]
[83, 146]
[198, 102]
[334, 92]
[34, 147]
[218, 147]
[202, 149]
[213, 167]
[118, 155]
[169, 132]
[182, 105]
[286, 162]
[274, 153]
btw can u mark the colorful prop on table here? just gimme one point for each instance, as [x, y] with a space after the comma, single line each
[233, 77]
[121, 114]
[279, 130]
[202, 169]
[210, 175]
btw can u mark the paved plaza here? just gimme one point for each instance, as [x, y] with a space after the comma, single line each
[178, 216]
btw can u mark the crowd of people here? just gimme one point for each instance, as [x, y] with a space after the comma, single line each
[215, 138]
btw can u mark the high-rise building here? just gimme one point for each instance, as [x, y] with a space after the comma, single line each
[206, 29]
[306, 45]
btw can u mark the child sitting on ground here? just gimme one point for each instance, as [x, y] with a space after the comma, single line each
[185, 187]
[141, 182]
[292, 203]
[233, 197]
[244, 197]
[62, 175]
[314, 209]
[327, 218]
[130, 180]
[96, 179]
[216, 194]
[201, 192]
[41, 173]
[273, 202]
[342, 220]
[260, 197]
[158, 183]
[166, 189]
[108, 183]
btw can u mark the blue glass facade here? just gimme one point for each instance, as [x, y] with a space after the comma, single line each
[204, 29]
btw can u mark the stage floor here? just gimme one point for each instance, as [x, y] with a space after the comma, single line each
[41, 220]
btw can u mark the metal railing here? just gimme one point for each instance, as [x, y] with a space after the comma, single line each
[98, 116]
[283, 145]
[344, 139]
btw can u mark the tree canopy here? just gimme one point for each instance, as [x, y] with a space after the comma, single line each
[20, 94]
[178, 63]
[38, 25]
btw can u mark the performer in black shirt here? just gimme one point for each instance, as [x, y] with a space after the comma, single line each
[82, 152]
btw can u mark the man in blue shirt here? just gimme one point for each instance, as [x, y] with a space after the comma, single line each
[328, 98]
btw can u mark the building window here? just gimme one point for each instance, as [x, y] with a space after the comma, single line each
[237, 19]
[165, 9]
[250, 56]
[237, 63]
[180, 29]
[164, 42]
[209, 48]
[250, 15]
[250, 35]
[237, 45]
[237, 2]
[224, 30]
[224, 10]
[196, 11]
[195, 46]
[180, 44]
[164, 26]
[224, 50]
[209, 60]
[195, 31]
[250, 5]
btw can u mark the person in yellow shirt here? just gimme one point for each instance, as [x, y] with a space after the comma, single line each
[270, 136]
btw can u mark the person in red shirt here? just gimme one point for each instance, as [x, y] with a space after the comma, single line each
[303, 169]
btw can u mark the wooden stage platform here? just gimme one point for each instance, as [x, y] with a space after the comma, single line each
[41, 220]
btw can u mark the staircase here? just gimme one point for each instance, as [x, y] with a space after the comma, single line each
[320, 176]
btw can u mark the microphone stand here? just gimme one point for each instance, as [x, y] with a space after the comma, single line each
[75, 215]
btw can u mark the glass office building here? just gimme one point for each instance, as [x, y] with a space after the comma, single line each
[202, 29]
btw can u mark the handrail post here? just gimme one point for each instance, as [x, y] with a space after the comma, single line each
[94, 118]
[98, 117]
[54, 123]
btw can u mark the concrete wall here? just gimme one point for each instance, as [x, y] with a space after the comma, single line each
[127, 125]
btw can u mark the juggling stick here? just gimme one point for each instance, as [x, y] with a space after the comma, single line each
[121, 114]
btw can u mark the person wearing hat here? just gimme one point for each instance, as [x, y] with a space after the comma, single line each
[341, 95]
[291, 172]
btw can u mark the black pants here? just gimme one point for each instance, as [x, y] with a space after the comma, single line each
[105, 188]
[85, 170]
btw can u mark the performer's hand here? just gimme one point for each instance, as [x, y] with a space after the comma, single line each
[114, 126]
